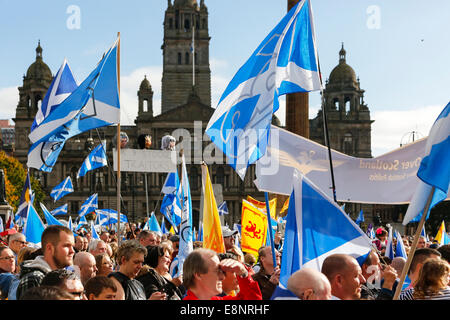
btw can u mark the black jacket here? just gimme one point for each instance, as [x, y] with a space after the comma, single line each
[154, 282]
[134, 290]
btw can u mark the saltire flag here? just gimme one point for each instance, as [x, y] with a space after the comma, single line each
[200, 232]
[390, 245]
[109, 217]
[25, 199]
[185, 246]
[89, 205]
[253, 227]
[63, 188]
[442, 236]
[212, 228]
[62, 86]
[424, 234]
[34, 226]
[93, 104]
[60, 210]
[171, 210]
[370, 232]
[223, 208]
[93, 231]
[360, 218]
[316, 228]
[400, 250]
[51, 220]
[171, 184]
[95, 159]
[285, 62]
[434, 170]
[70, 223]
[261, 205]
[153, 224]
[82, 222]
[237, 240]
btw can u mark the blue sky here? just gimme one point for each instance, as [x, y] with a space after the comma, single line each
[399, 49]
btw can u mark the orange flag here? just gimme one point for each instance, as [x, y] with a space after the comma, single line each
[212, 228]
[261, 205]
[253, 228]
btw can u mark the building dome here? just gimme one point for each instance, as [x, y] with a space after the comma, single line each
[38, 69]
[342, 72]
[145, 84]
[184, 3]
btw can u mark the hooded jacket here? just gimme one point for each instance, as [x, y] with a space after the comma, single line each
[31, 274]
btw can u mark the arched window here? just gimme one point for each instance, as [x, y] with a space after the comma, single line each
[220, 176]
[179, 57]
[348, 143]
[187, 24]
[145, 105]
[186, 58]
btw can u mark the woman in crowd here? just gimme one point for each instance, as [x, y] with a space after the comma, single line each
[433, 282]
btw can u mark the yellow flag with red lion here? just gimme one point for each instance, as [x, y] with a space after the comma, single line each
[253, 228]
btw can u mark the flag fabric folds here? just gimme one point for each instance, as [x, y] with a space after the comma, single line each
[25, 198]
[360, 218]
[316, 227]
[253, 228]
[109, 217]
[223, 208]
[434, 170]
[261, 205]
[442, 236]
[34, 227]
[62, 86]
[153, 224]
[93, 104]
[51, 220]
[60, 210]
[95, 159]
[185, 245]
[63, 188]
[400, 250]
[93, 231]
[285, 62]
[390, 245]
[89, 205]
[212, 229]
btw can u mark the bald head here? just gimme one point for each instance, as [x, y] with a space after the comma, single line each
[309, 284]
[87, 265]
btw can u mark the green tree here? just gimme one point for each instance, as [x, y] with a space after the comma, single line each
[15, 176]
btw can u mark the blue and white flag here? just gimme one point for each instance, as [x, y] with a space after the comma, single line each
[171, 210]
[93, 104]
[70, 223]
[185, 246]
[316, 228]
[34, 226]
[434, 170]
[95, 159]
[109, 217]
[285, 62]
[81, 223]
[360, 218]
[400, 250]
[1, 225]
[63, 188]
[222, 208]
[153, 224]
[171, 184]
[51, 220]
[60, 210]
[93, 231]
[390, 245]
[62, 86]
[89, 205]
[25, 199]
[163, 226]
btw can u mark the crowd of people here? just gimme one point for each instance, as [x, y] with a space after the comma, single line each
[144, 266]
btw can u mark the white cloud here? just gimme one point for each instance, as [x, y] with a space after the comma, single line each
[392, 127]
[9, 98]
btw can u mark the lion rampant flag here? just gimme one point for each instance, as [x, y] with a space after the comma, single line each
[212, 229]
[253, 228]
[261, 205]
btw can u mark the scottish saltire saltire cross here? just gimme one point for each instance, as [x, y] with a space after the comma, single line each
[63, 188]
[93, 104]
[317, 227]
[95, 159]
[89, 205]
[223, 209]
[285, 62]
[34, 227]
[62, 86]
[49, 218]
[60, 210]
[434, 170]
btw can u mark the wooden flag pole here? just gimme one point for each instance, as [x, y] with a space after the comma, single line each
[269, 221]
[414, 245]
[118, 147]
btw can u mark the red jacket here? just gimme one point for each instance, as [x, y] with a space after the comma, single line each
[248, 290]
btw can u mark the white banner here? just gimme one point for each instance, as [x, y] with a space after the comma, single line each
[142, 160]
[388, 179]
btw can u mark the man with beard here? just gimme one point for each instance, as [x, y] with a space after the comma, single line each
[57, 245]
